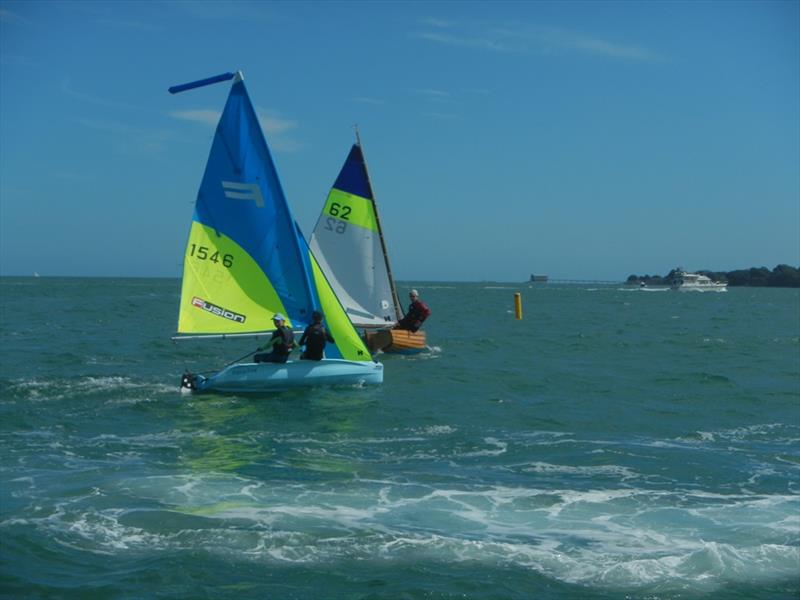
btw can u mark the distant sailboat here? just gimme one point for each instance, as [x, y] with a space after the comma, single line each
[349, 244]
[246, 260]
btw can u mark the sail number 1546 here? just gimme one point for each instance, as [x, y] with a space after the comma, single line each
[202, 252]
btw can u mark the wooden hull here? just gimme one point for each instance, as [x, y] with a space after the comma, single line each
[395, 341]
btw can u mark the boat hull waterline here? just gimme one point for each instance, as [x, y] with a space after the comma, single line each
[272, 377]
[712, 287]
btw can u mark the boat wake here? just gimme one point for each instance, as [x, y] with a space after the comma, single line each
[603, 525]
[617, 539]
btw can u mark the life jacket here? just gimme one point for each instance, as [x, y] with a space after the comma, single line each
[419, 310]
[288, 341]
[315, 339]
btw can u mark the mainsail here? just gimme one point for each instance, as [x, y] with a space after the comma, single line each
[246, 259]
[348, 243]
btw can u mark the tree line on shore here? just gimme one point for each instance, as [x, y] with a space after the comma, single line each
[780, 276]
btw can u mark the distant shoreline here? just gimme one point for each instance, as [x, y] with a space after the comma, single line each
[781, 276]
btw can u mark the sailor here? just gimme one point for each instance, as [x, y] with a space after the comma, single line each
[417, 312]
[281, 343]
[314, 338]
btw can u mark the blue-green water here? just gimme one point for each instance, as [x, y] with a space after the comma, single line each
[613, 444]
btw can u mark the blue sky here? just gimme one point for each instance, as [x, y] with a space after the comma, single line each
[576, 139]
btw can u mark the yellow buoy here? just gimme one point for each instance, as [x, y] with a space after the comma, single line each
[518, 305]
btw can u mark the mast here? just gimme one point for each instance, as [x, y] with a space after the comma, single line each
[398, 311]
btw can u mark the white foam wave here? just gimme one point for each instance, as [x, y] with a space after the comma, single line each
[584, 471]
[438, 430]
[776, 432]
[498, 447]
[170, 438]
[617, 538]
[685, 564]
[58, 389]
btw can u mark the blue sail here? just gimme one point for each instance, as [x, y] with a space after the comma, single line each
[245, 256]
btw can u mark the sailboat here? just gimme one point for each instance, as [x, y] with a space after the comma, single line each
[349, 244]
[246, 261]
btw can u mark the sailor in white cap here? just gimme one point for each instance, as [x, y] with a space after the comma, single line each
[418, 311]
[281, 342]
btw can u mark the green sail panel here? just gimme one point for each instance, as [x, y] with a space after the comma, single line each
[347, 343]
[224, 290]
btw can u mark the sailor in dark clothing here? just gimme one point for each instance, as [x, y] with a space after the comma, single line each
[281, 343]
[418, 311]
[314, 338]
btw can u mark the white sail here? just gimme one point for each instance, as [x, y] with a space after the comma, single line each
[349, 246]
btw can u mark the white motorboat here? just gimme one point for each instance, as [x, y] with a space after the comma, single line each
[694, 282]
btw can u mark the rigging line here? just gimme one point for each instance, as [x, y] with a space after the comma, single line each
[228, 365]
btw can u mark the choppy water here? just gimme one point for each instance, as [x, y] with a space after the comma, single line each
[612, 444]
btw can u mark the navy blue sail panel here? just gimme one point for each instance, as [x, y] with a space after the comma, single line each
[353, 176]
[241, 197]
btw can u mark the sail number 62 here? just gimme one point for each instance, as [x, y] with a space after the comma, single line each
[337, 210]
[340, 212]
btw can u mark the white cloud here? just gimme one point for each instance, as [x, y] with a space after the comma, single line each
[66, 87]
[271, 123]
[105, 125]
[567, 40]
[434, 94]
[436, 22]
[450, 39]
[129, 140]
[442, 116]
[251, 12]
[207, 116]
[367, 100]
[275, 126]
[541, 40]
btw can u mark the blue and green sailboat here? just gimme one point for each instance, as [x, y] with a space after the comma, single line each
[246, 261]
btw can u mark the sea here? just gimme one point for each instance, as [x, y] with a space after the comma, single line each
[615, 442]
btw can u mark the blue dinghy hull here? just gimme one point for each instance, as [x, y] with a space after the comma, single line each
[251, 378]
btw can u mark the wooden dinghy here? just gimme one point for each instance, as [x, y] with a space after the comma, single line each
[395, 341]
[350, 249]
